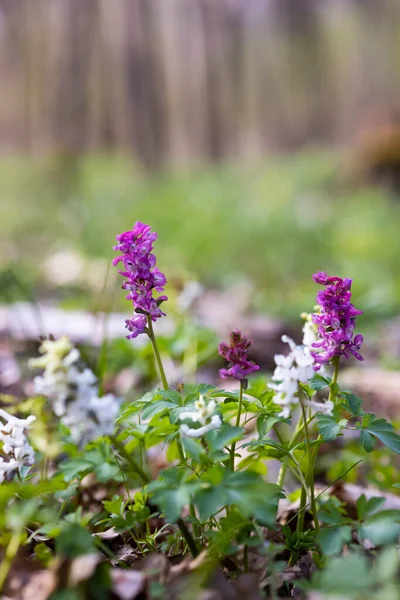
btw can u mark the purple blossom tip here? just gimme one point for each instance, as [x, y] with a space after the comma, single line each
[141, 277]
[235, 353]
[336, 321]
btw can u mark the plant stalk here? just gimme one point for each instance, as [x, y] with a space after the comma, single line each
[239, 413]
[10, 554]
[181, 524]
[156, 351]
[310, 474]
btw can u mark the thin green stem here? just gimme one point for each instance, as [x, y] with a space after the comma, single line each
[181, 524]
[239, 413]
[333, 390]
[188, 538]
[157, 356]
[192, 510]
[310, 474]
[156, 352]
[303, 504]
[326, 489]
[10, 554]
[293, 440]
[129, 459]
[246, 558]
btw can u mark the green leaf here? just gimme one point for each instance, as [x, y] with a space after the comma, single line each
[171, 395]
[156, 408]
[381, 429]
[115, 506]
[172, 502]
[353, 404]
[74, 541]
[265, 423]
[382, 527]
[75, 466]
[332, 539]
[210, 500]
[344, 575]
[367, 441]
[328, 427]
[366, 508]
[319, 382]
[217, 440]
[193, 448]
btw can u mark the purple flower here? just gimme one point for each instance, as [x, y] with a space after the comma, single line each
[336, 321]
[239, 366]
[142, 277]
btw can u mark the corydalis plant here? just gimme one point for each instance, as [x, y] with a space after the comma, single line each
[72, 392]
[15, 449]
[142, 278]
[336, 321]
[292, 370]
[239, 366]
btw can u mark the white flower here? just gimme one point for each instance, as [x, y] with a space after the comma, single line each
[187, 431]
[7, 467]
[290, 370]
[310, 331]
[189, 294]
[204, 414]
[73, 393]
[56, 355]
[15, 444]
[325, 408]
[204, 410]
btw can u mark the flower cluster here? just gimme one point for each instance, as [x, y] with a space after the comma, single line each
[204, 415]
[290, 371]
[142, 277]
[14, 444]
[239, 366]
[335, 320]
[73, 393]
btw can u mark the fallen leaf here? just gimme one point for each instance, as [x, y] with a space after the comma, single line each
[127, 585]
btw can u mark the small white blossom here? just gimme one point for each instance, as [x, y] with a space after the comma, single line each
[291, 370]
[73, 393]
[190, 293]
[325, 408]
[56, 355]
[204, 414]
[14, 444]
[187, 431]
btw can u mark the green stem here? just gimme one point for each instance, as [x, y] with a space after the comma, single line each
[129, 459]
[303, 504]
[188, 538]
[10, 554]
[333, 390]
[192, 510]
[310, 474]
[298, 431]
[246, 558]
[164, 381]
[239, 412]
[181, 524]
[326, 489]
[156, 352]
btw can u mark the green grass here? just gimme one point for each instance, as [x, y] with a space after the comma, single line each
[272, 224]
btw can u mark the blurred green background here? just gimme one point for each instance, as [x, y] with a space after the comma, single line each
[259, 139]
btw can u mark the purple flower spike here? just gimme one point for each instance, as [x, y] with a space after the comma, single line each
[336, 321]
[142, 277]
[239, 366]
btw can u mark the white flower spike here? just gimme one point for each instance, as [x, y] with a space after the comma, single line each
[73, 393]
